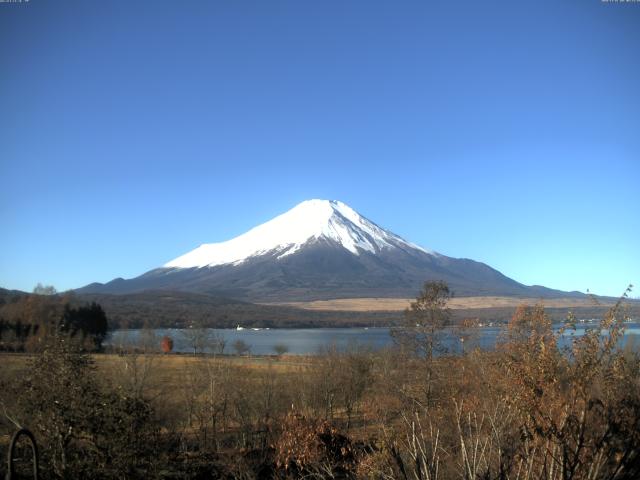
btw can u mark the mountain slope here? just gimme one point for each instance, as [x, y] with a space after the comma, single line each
[286, 234]
[319, 250]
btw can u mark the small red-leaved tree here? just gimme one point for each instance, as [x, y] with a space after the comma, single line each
[166, 344]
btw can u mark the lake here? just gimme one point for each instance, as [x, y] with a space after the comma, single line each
[312, 340]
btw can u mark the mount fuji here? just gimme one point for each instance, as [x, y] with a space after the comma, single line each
[318, 250]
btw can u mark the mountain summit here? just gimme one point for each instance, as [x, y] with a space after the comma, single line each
[308, 222]
[320, 249]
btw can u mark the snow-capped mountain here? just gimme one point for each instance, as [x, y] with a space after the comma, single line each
[308, 222]
[319, 249]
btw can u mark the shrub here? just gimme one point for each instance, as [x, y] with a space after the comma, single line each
[166, 344]
[84, 431]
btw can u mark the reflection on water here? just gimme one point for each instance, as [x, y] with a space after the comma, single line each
[312, 340]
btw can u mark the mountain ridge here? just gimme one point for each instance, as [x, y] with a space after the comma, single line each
[320, 249]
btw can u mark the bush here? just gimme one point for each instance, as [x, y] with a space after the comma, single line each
[84, 430]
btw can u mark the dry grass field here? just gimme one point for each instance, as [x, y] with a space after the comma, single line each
[167, 369]
[461, 303]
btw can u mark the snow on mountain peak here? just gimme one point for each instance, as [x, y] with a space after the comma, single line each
[285, 234]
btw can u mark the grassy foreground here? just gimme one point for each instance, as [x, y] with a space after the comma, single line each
[529, 410]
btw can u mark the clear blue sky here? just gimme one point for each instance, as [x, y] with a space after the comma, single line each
[507, 132]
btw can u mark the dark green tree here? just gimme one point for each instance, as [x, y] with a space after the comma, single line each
[88, 321]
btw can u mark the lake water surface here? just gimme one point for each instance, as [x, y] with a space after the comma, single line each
[312, 340]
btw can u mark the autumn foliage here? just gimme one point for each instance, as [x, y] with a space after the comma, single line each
[544, 404]
[166, 344]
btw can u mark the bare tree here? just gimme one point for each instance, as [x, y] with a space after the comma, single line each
[40, 289]
[354, 377]
[200, 338]
[420, 335]
[136, 361]
[241, 347]
[280, 349]
[341, 379]
[468, 333]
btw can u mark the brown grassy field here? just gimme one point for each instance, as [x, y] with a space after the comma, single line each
[461, 303]
[168, 369]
